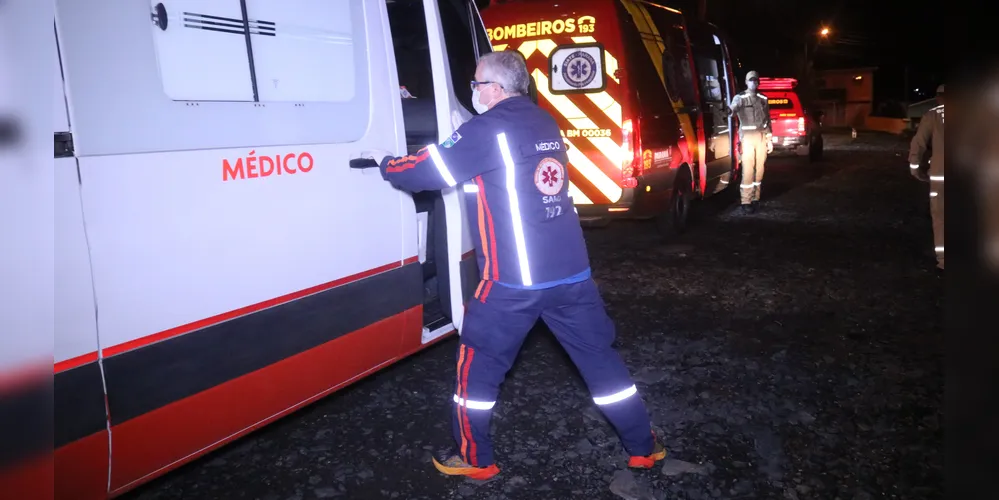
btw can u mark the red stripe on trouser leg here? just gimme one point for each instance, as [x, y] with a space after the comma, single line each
[459, 391]
[471, 437]
[492, 228]
[471, 458]
[485, 292]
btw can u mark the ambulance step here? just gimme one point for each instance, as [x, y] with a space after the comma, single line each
[433, 332]
[432, 311]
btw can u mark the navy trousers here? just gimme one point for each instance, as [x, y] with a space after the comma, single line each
[497, 322]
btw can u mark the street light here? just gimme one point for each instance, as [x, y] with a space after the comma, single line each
[824, 34]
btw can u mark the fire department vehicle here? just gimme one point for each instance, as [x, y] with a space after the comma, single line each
[219, 264]
[640, 95]
[794, 128]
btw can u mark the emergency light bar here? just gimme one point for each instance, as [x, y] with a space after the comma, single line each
[778, 83]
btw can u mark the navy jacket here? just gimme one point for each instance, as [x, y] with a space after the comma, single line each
[511, 164]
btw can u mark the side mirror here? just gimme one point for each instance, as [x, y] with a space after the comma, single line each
[577, 68]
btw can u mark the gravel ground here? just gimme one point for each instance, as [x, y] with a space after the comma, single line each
[794, 353]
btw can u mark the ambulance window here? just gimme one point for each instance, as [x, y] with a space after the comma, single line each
[458, 37]
[654, 103]
[408, 23]
[676, 58]
[303, 50]
[678, 65]
[201, 51]
[709, 71]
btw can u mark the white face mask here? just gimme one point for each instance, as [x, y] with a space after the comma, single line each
[479, 107]
[752, 86]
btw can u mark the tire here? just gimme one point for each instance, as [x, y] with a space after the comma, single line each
[674, 221]
[815, 149]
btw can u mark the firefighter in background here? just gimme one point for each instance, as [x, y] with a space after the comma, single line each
[755, 135]
[510, 163]
[930, 135]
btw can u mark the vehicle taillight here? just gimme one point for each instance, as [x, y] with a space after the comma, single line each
[631, 154]
[801, 124]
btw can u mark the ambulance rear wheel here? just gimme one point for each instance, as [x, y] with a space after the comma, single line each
[674, 221]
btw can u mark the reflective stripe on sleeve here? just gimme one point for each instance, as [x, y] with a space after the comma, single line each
[617, 396]
[471, 188]
[937, 178]
[518, 223]
[439, 163]
[914, 166]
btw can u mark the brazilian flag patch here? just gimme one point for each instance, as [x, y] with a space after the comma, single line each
[455, 137]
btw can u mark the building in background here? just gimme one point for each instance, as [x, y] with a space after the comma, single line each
[846, 96]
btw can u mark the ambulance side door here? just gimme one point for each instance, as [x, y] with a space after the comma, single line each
[241, 268]
[81, 432]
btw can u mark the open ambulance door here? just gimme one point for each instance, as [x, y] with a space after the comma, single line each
[456, 38]
[436, 63]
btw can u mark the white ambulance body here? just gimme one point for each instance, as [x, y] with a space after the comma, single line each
[218, 264]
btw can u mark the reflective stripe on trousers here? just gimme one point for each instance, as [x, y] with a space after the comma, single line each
[754, 157]
[492, 335]
[937, 216]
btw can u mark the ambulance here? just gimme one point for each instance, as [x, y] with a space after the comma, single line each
[218, 262]
[639, 93]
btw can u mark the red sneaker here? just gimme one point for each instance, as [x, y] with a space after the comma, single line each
[455, 466]
[649, 461]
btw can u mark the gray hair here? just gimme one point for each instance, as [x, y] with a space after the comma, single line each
[508, 69]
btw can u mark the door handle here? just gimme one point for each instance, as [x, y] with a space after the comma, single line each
[368, 159]
[363, 163]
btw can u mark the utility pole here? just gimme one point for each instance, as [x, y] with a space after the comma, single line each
[702, 10]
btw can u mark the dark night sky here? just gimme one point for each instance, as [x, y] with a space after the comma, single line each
[770, 36]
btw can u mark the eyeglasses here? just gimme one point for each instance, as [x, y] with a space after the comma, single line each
[476, 84]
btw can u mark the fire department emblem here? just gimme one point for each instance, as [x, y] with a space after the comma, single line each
[579, 69]
[549, 177]
[647, 159]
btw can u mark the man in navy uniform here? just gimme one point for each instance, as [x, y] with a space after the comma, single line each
[511, 162]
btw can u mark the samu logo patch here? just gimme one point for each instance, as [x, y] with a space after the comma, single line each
[549, 177]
